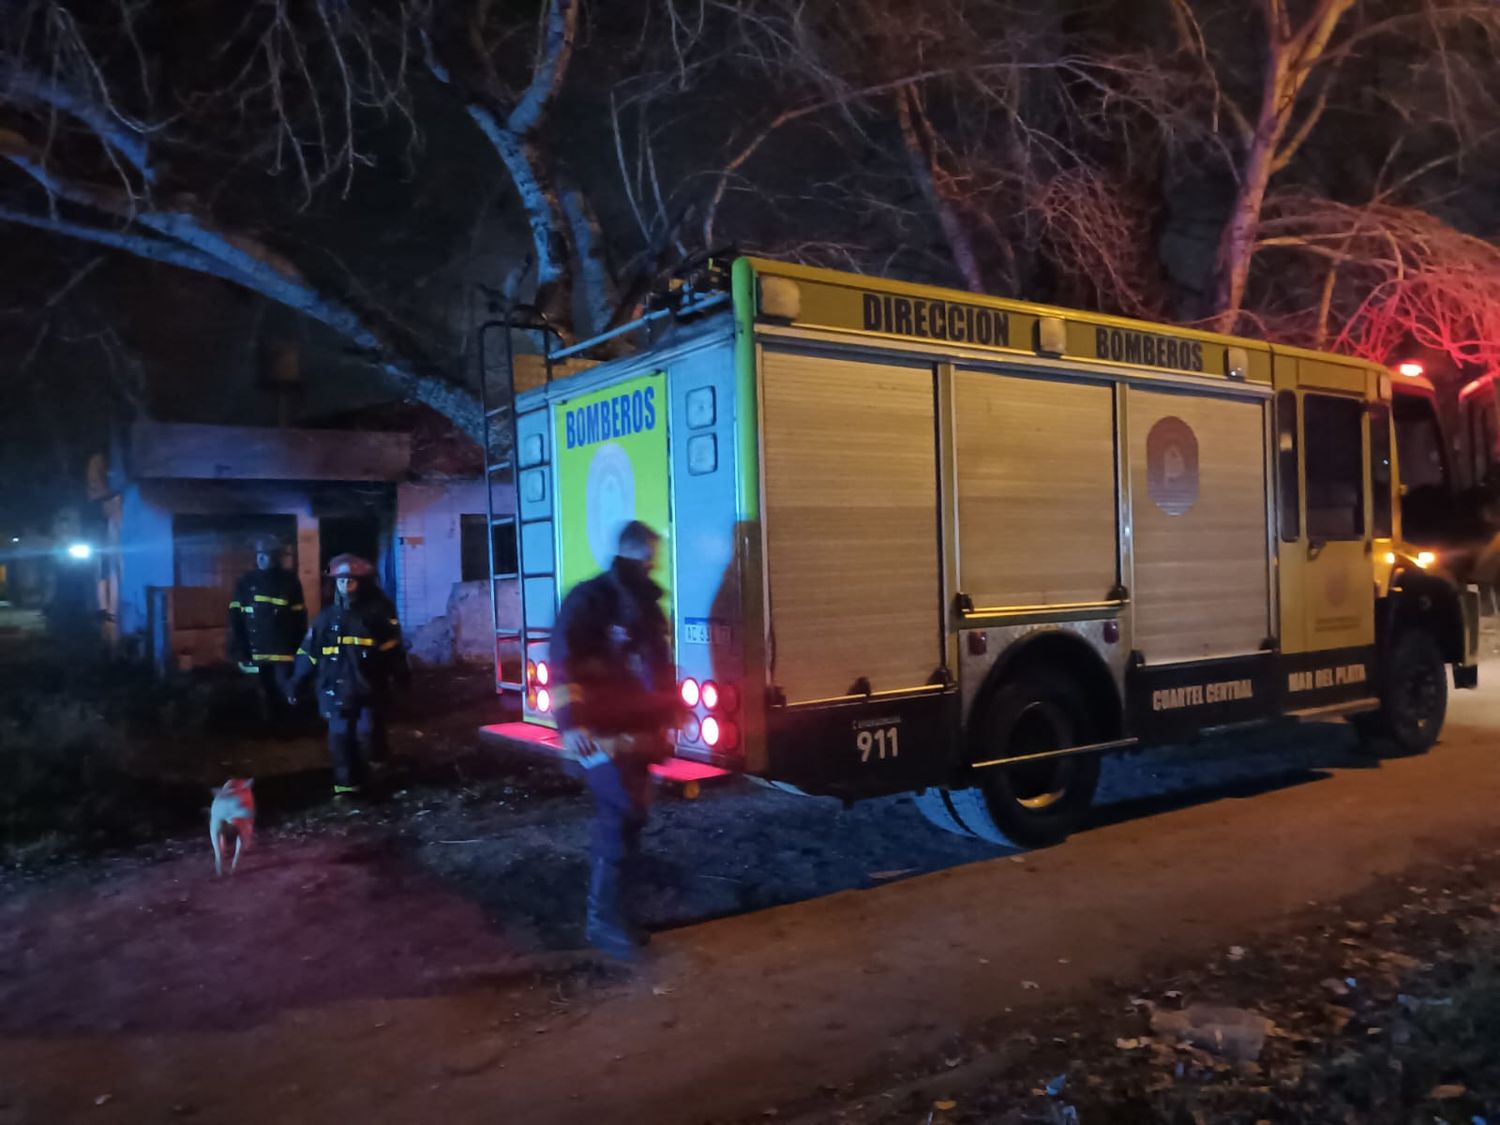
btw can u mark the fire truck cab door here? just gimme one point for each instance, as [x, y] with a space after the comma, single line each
[1332, 561]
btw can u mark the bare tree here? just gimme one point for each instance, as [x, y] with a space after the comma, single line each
[1313, 60]
[118, 156]
[282, 146]
[1393, 277]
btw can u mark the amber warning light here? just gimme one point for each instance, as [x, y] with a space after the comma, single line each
[1410, 369]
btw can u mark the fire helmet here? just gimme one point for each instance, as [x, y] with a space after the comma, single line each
[268, 545]
[350, 566]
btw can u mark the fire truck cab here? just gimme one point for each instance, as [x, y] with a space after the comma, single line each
[921, 540]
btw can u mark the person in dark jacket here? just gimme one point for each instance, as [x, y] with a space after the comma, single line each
[353, 653]
[267, 618]
[615, 701]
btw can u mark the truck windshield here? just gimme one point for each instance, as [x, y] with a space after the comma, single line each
[1419, 444]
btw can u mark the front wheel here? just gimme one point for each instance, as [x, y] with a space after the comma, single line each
[1413, 696]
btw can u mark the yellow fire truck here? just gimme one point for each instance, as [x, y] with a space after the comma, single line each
[921, 540]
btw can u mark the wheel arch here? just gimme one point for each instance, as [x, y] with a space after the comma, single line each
[1061, 652]
[1427, 602]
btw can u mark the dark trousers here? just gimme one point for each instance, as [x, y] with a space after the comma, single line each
[355, 739]
[621, 789]
[273, 677]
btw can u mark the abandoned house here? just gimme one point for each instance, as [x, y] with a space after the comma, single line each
[184, 502]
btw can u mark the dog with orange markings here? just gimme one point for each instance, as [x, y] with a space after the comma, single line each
[232, 815]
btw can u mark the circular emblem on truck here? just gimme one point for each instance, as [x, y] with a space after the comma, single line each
[1172, 465]
[611, 500]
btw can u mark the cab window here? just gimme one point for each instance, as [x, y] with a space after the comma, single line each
[1381, 475]
[1333, 442]
[1419, 444]
[1288, 482]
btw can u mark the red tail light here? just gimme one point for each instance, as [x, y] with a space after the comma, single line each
[543, 700]
[711, 731]
[729, 736]
[729, 699]
[690, 692]
[543, 674]
[691, 730]
[710, 695]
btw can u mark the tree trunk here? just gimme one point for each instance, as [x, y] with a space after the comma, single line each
[922, 155]
[1291, 56]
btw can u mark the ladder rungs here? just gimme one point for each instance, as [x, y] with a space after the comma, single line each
[506, 685]
[501, 521]
[501, 467]
[495, 413]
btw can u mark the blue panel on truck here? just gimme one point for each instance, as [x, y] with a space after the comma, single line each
[541, 603]
[708, 618]
[534, 440]
[537, 548]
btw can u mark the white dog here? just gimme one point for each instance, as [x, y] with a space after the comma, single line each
[232, 814]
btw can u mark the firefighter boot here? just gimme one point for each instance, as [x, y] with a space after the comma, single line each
[607, 930]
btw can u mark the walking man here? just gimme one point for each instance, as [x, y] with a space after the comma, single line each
[267, 618]
[615, 702]
[353, 652]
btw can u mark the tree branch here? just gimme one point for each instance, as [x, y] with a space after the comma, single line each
[553, 55]
[113, 129]
[422, 385]
[522, 158]
[1288, 151]
[786, 117]
[593, 269]
[922, 157]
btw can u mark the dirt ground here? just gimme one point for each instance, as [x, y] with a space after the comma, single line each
[1382, 1008]
[423, 948]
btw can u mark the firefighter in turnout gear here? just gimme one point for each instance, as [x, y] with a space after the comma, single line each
[267, 618]
[354, 655]
[615, 701]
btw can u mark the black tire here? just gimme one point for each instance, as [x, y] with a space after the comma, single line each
[1040, 803]
[1413, 697]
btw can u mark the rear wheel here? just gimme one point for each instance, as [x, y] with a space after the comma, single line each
[1037, 803]
[1413, 696]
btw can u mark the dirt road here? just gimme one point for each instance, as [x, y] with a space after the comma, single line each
[727, 1019]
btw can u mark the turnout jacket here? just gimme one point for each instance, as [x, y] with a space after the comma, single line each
[353, 653]
[614, 688]
[267, 617]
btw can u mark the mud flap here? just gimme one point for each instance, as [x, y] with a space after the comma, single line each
[1466, 674]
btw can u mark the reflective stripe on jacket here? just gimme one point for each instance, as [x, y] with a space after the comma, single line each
[267, 617]
[352, 652]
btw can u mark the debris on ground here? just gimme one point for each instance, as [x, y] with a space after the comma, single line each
[1383, 1009]
[1232, 1032]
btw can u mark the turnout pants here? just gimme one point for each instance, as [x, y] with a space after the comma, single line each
[273, 677]
[355, 739]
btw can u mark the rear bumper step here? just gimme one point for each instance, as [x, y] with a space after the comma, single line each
[532, 738]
